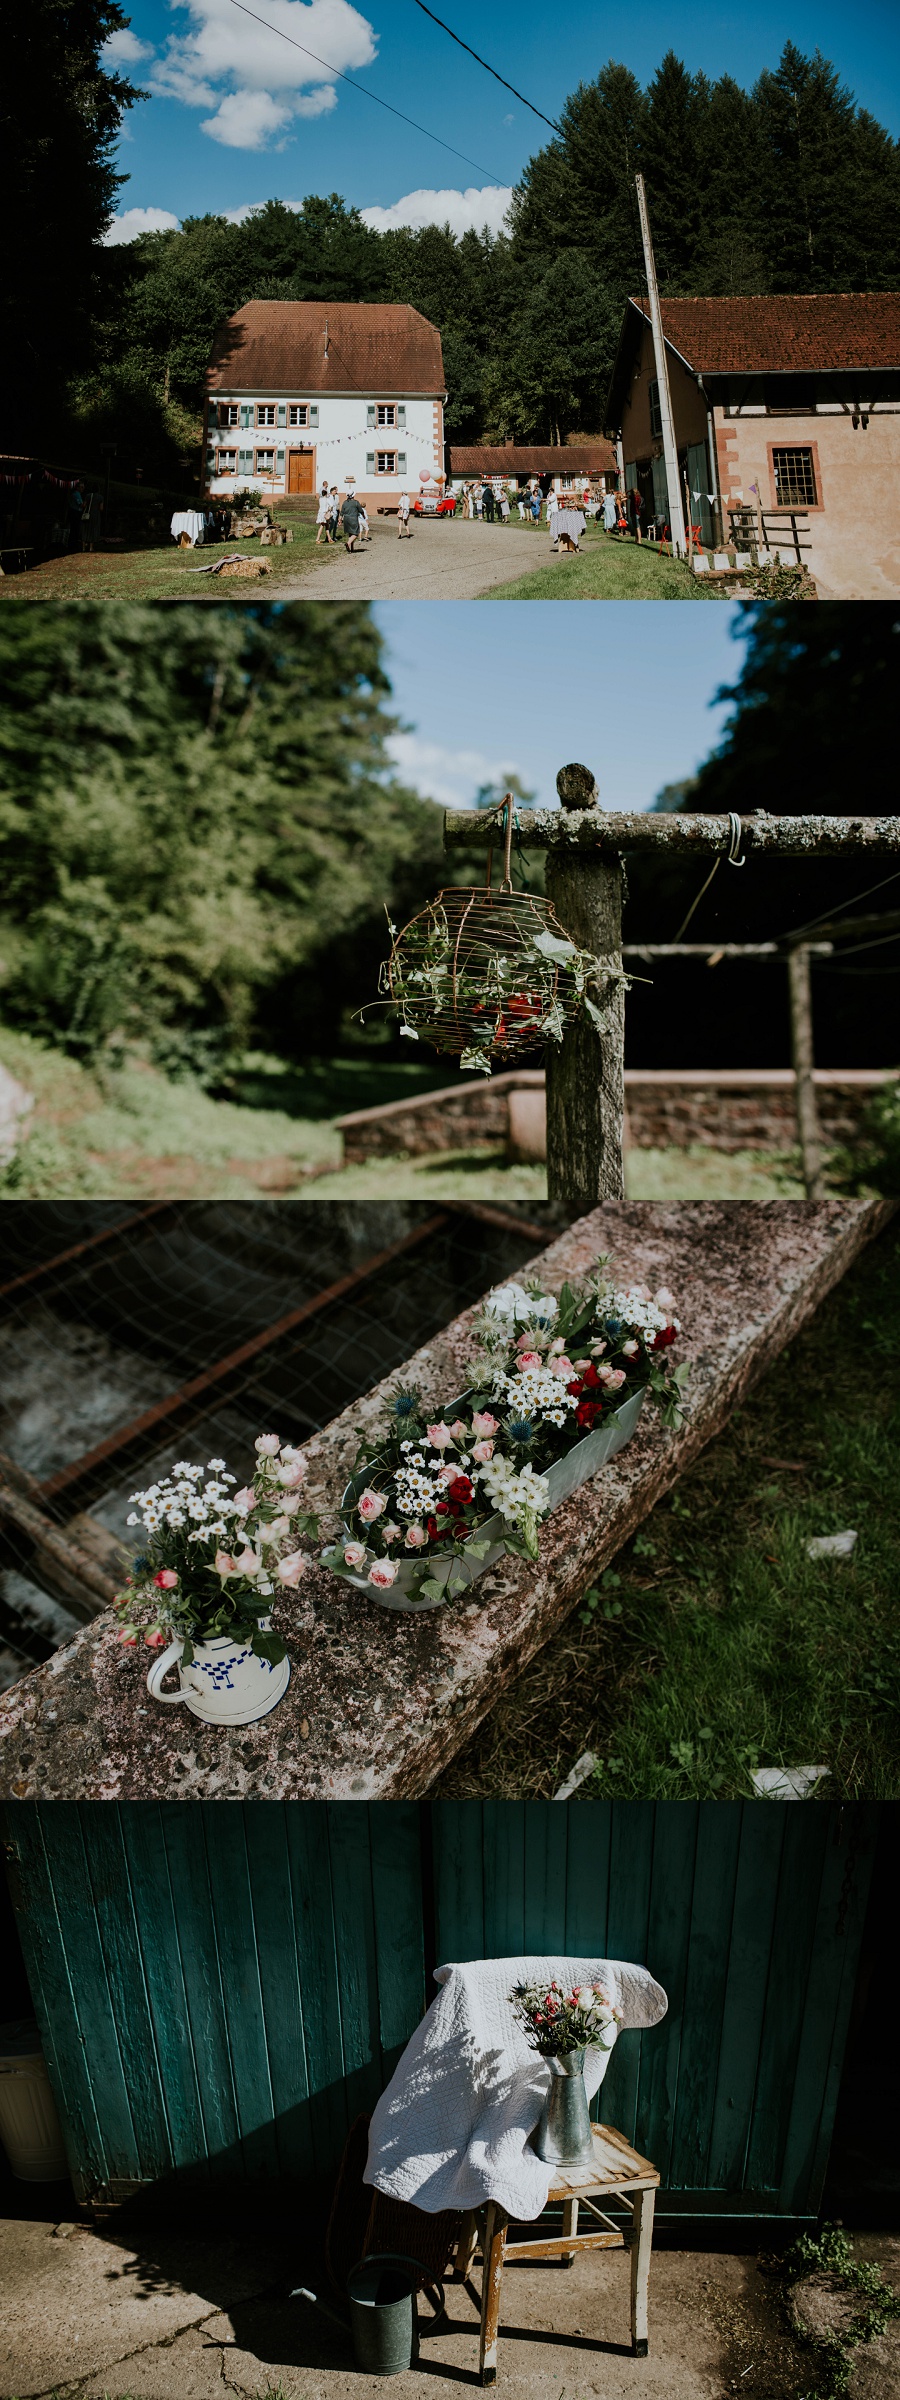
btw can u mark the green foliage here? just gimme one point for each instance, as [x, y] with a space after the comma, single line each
[829, 2257]
[788, 187]
[62, 114]
[195, 805]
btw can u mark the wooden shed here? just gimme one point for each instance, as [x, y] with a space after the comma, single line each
[222, 1988]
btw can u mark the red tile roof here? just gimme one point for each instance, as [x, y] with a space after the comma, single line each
[373, 347]
[786, 333]
[505, 458]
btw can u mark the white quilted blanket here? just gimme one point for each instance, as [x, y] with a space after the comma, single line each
[452, 2129]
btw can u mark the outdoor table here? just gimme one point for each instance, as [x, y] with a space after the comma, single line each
[570, 521]
[191, 521]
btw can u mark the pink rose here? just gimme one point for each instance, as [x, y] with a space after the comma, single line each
[129, 1640]
[355, 1554]
[611, 1377]
[244, 1501]
[630, 1349]
[267, 1445]
[390, 1533]
[561, 1365]
[290, 1569]
[248, 1562]
[597, 1349]
[664, 1298]
[154, 1641]
[525, 1341]
[290, 1504]
[416, 1537]
[556, 1347]
[439, 1436]
[166, 1579]
[292, 1474]
[370, 1505]
[483, 1422]
[382, 1574]
[225, 1563]
[483, 1451]
[529, 1358]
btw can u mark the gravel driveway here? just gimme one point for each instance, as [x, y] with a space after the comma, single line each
[446, 559]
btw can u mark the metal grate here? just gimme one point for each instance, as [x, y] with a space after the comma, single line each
[127, 1333]
[795, 478]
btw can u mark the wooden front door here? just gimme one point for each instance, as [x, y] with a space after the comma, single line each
[301, 476]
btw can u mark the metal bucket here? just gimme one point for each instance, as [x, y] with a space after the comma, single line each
[383, 2316]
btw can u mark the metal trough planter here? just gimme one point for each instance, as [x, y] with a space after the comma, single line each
[564, 1477]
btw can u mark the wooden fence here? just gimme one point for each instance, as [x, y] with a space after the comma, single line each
[222, 1988]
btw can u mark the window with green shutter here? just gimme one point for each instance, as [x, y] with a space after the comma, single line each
[370, 414]
[401, 462]
[370, 462]
[314, 416]
[401, 418]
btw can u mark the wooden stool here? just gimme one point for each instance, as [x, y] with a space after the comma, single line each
[617, 2173]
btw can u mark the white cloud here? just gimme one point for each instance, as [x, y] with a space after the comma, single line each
[123, 49]
[254, 82]
[453, 777]
[462, 211]
[139, 220]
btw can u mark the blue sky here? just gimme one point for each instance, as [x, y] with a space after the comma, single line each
[488, 687]
[238, 116]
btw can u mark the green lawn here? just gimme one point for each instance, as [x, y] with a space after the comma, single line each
[137, 1132]
[607, 568]
[714, 1644]
[163, 574]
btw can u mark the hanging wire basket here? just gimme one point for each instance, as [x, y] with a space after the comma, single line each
[489, 975]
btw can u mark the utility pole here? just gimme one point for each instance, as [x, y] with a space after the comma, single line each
[804, 1068]
[670, 452]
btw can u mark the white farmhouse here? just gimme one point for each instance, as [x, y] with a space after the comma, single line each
[300, 393]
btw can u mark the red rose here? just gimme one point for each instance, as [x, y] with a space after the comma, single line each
[661, 1340]
[461, 1491]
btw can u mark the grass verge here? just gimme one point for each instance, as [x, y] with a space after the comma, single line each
[163, 574]
[714, 1644]
[606, 568]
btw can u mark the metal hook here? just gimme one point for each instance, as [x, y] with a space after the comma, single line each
[736, 832]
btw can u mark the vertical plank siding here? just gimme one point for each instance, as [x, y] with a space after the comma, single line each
[221, 1988]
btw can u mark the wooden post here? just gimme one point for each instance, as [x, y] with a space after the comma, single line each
[641, 2246]
[586, 1071]
[808, 1127]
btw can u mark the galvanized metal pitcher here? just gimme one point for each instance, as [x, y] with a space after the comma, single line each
[563, 2136]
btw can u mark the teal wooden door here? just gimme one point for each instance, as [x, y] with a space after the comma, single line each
[222, 1989]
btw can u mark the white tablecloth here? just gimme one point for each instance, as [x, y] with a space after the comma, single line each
[192, 521]
[567, 520]
[452, 2130]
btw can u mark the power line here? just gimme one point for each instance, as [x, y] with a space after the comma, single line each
[482, 62]
[480, 169]
[797, 931]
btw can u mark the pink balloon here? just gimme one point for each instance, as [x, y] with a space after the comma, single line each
[424, 475]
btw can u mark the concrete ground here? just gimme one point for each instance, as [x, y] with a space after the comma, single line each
[92, 2314]
[450, 560]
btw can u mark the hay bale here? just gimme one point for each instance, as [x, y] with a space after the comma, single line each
[246, 570]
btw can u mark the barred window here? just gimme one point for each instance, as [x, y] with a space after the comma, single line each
[265, 412]
[795, 479]
[386, 462]
[298, 412]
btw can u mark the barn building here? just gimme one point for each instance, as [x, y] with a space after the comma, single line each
[787, 423]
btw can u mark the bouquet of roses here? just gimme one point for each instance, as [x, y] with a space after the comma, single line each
[215, 1557]
[432, 1487]
[558, 2022]
[556, 1367]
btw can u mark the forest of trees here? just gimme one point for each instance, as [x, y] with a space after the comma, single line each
[788, 187]
[199, 832]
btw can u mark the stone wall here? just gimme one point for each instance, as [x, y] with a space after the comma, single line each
[742, 1108]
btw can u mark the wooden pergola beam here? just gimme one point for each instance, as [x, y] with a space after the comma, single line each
[604, 833]
[585, 847]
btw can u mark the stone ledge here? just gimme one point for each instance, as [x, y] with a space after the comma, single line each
[725, 1108]
[378, 1704]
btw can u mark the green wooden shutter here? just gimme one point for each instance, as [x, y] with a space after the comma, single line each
[313, 416]
[401, 418]
[401, 462]
[370, 462]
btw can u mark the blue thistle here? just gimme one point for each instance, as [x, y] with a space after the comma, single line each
[141, 1565]
[520, 1429]
[613, 1327]
[405, 1405]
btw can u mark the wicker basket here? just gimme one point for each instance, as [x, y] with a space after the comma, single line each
[464, 975]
